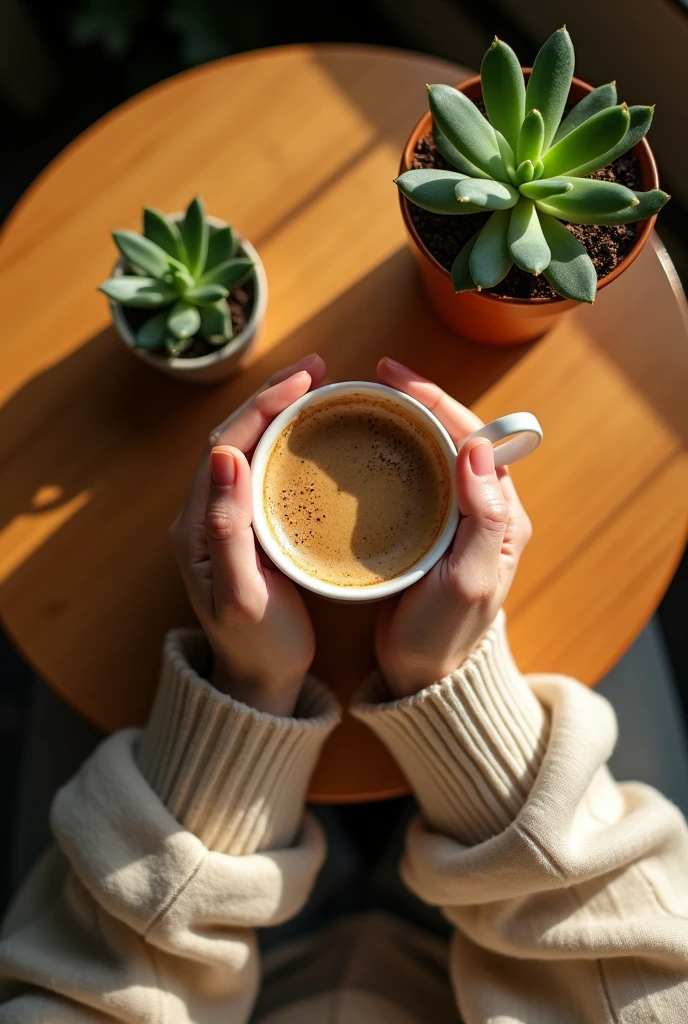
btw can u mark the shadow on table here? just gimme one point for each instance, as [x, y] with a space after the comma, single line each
[86, 426]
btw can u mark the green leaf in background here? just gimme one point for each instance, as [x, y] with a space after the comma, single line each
[229, 274]
[649, 203]
[460, 271]
[586, 142]
[195, 236]
[151, 335]
[544, 188]
[550, 81]
[143, 254]
[487, 195]
[433, 190]
[223, 245]
[598, 99]
[452, 155]
[175, 346]
[571, 271]
[206, 294]
[504, 90]
[589, 198]
[216, 323]
[183, 320]
[490, 261]
[466, 128]
[640, 121]
[531, 137]
[163, 232]
[525, 172]
[139, 292]
[527, 245]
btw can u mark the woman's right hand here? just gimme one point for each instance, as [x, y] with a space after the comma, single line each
[255, 620]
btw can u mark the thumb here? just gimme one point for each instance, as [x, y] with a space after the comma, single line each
[474, 558]
[228, 529]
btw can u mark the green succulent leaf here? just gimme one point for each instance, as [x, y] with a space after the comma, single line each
[151, 335]
[460, 271]
[206, 294]
[487, 195]
[588, 198]
[183, 320]
[195, 235]
[216, 323]
[550, 81]
[649, 203]
[504, 90]
[223, 245]
[452, 155]
[544, 188]
[525, 172]
[175, 346]
[640, 121]
[138, 292]
[571, 271]
[466, 128]
[508, 157]
[595, 136]
[598, 99]
[163, 232]
[229, 274]
[527, 245]
[181, 276]
[539, 169]
[434, 190]
[143, 254]
[490, 261]
[531, 137]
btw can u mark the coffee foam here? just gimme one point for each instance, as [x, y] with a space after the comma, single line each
[356, 490]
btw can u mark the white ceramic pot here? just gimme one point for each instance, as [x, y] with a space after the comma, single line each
[524, 426]
[219, 364]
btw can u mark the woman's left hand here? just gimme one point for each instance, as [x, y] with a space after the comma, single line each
[435, 625]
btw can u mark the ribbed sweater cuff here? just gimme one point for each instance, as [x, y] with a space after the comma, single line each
[470, 745]
[234, 776]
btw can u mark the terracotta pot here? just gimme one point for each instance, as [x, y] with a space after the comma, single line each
[494, 319]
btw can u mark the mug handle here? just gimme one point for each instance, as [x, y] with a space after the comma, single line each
[522, 430]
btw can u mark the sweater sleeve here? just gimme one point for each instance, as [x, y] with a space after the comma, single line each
[568, 892]
[172, 845]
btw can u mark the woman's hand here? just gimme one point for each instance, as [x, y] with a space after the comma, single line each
[435, 625]
[257, 625]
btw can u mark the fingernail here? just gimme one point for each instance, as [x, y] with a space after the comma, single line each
[307, 360]
[482, 458]
[223, 467]
[394, 364]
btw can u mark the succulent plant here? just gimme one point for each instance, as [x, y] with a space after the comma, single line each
[185, 270]
[529, 167]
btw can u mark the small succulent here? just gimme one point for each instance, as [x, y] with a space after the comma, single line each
[184, 270]
[530, 167]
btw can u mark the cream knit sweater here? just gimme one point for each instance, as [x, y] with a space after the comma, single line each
[568, 892]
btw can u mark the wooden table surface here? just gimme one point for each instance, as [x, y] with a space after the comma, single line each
[298, 147]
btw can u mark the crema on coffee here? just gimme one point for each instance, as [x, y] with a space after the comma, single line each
[356, 490]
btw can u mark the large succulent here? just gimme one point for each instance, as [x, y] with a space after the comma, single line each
[184, 270]
[530, 167]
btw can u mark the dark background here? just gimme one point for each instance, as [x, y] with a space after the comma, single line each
[65, 64]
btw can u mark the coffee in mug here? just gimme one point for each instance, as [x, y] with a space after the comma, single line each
[356, 491]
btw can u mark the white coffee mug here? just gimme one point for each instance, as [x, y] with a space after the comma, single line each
[515, 435]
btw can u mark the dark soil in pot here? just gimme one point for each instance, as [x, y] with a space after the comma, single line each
[444, 236]
[241, 301]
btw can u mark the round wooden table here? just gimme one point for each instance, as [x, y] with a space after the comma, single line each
[298, 147]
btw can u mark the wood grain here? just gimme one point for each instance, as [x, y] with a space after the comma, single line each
[298, 147]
